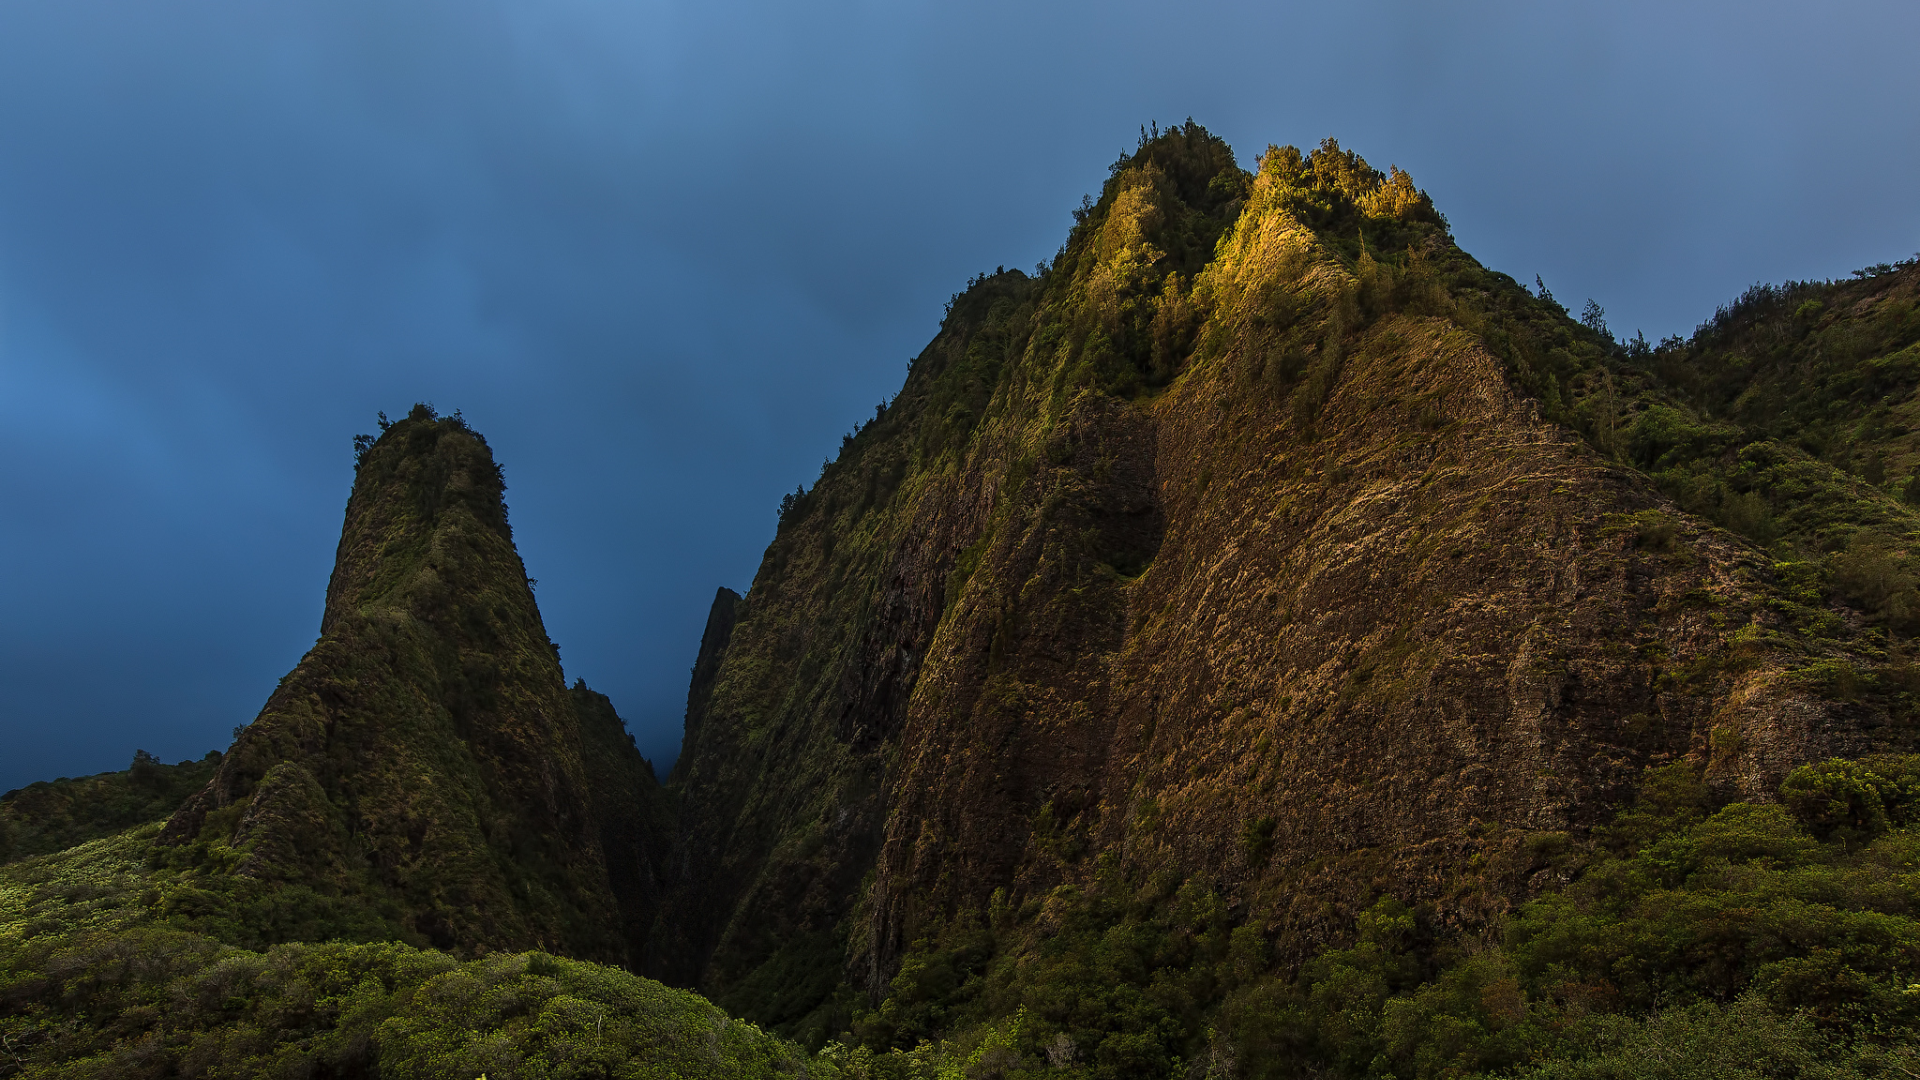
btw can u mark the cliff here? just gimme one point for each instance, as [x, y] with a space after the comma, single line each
[1267, 543]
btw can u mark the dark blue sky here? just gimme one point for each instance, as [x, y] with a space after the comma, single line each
[664, 254]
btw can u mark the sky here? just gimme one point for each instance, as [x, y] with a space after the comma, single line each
[664, 254]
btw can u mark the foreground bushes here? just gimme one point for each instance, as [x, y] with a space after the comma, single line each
[1738, 941]
[155, 1002]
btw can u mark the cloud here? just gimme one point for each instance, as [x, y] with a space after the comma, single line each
[663, 254]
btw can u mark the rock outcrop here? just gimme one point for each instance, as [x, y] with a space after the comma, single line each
[426, 755]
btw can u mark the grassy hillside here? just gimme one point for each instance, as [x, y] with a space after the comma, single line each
[53, 815]
[157, 1001]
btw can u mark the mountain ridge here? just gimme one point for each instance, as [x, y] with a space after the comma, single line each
[989, 561]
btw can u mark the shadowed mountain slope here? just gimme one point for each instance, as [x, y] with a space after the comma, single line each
[426, 756]
[1267, 541]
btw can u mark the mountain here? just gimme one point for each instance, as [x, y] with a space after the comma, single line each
[1261, 643]
[375, 879]
[1265, 551]
[425, 759]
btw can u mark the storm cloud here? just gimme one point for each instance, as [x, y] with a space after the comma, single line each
[664, 254]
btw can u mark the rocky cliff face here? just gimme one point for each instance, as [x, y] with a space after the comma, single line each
[426, 756]
[1265, 539]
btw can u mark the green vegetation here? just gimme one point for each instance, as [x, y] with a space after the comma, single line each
[114, 963]
[162, 1003]
[1765, 940]
[53, 815]
[127, 882]
[121, 957]
[1745, 940]
[423, 767]
[1789, 417]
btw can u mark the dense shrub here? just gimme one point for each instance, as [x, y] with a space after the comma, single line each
[53, 815]
[1755, 940]
[156, 1003]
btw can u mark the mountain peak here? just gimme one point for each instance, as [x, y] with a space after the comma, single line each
[1268, 542]
[426, 752]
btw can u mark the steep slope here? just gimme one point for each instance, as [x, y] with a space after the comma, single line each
[631, 811]
[1264, 542]
[425, 759]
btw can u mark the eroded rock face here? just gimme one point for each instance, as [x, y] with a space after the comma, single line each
[1366, 642]
[426, 755]
[1266, 539]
